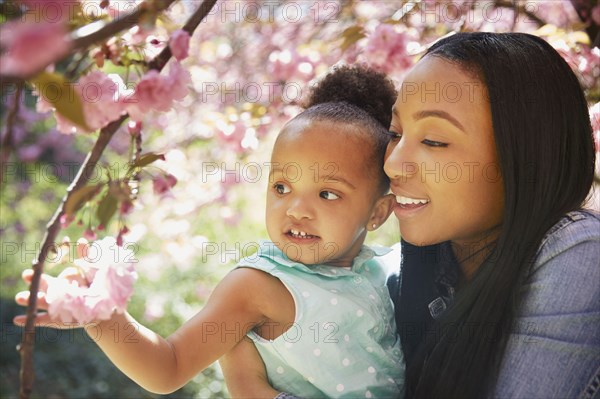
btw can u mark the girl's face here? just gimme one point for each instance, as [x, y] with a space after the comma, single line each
[442, 163]
[322, 196]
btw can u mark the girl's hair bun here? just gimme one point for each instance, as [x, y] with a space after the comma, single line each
[357, 85]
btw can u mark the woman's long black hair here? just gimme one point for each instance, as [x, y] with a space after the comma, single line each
[546, 155]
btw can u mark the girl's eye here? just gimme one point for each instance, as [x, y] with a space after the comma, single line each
[328, 195]
[432, 143]
[281, 188]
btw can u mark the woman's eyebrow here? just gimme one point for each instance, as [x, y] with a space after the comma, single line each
[438, 114]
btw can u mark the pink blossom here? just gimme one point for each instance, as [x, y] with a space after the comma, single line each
[101, 97]
[157, 92]
[105, 285]
[100, 94]
[162, 184]
[30, 47]
[180, 44]
[386, 49]
[179, 79]
[138, 35]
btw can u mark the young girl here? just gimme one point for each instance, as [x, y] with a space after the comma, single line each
[314, 299]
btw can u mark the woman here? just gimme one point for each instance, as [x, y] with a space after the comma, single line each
[491, 161]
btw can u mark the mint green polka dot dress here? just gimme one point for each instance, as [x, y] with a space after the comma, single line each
[343, 341]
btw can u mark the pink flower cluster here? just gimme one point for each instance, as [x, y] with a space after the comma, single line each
[157, 92]
[31, 47]
[179, 44]
[105, 286]
[105, 98]
[101, 97]
[386, 49]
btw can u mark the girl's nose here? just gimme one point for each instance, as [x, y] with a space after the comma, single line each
[300, 208]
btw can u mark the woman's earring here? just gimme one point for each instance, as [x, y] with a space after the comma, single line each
[374, 225]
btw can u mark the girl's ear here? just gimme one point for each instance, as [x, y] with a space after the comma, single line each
[383, 208]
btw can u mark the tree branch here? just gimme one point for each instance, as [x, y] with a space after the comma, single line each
[53, 227]
[520, 9]
[103, 32]
[7, 140]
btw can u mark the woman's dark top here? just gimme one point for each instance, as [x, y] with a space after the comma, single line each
[427, 280]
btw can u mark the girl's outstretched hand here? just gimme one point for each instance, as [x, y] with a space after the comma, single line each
[96, 285]
[43, 319]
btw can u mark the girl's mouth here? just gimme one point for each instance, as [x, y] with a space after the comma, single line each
[298, 234]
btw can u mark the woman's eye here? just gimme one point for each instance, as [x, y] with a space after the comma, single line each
[328, 195]
[432, 143]
[281, 188]
[394, 135]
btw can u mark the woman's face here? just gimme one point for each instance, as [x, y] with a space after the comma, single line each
[442, 163]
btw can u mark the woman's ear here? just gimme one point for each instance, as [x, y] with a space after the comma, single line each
[382, 210]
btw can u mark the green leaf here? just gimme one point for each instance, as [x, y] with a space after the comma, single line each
[58, 91]
[106, 208]
[146, 159]
[80, 197]
[351, 35]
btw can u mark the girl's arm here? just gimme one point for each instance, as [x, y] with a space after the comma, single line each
[241, 301]
[245, 372]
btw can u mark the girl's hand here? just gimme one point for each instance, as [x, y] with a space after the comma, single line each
[98, 285]
[42, 319]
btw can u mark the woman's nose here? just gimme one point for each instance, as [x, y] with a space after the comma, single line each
[399, 162]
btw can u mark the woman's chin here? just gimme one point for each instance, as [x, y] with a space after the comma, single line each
[417, 238]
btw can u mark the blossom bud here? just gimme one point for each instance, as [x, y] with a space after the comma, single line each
[163, 184]
[98, 57]
[126, 207]
[134, 128]
[89, 234]
[124, 230]
[65, 220]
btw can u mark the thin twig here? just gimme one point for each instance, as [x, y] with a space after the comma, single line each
[7, 140]
[53, 227]
[521, 9]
